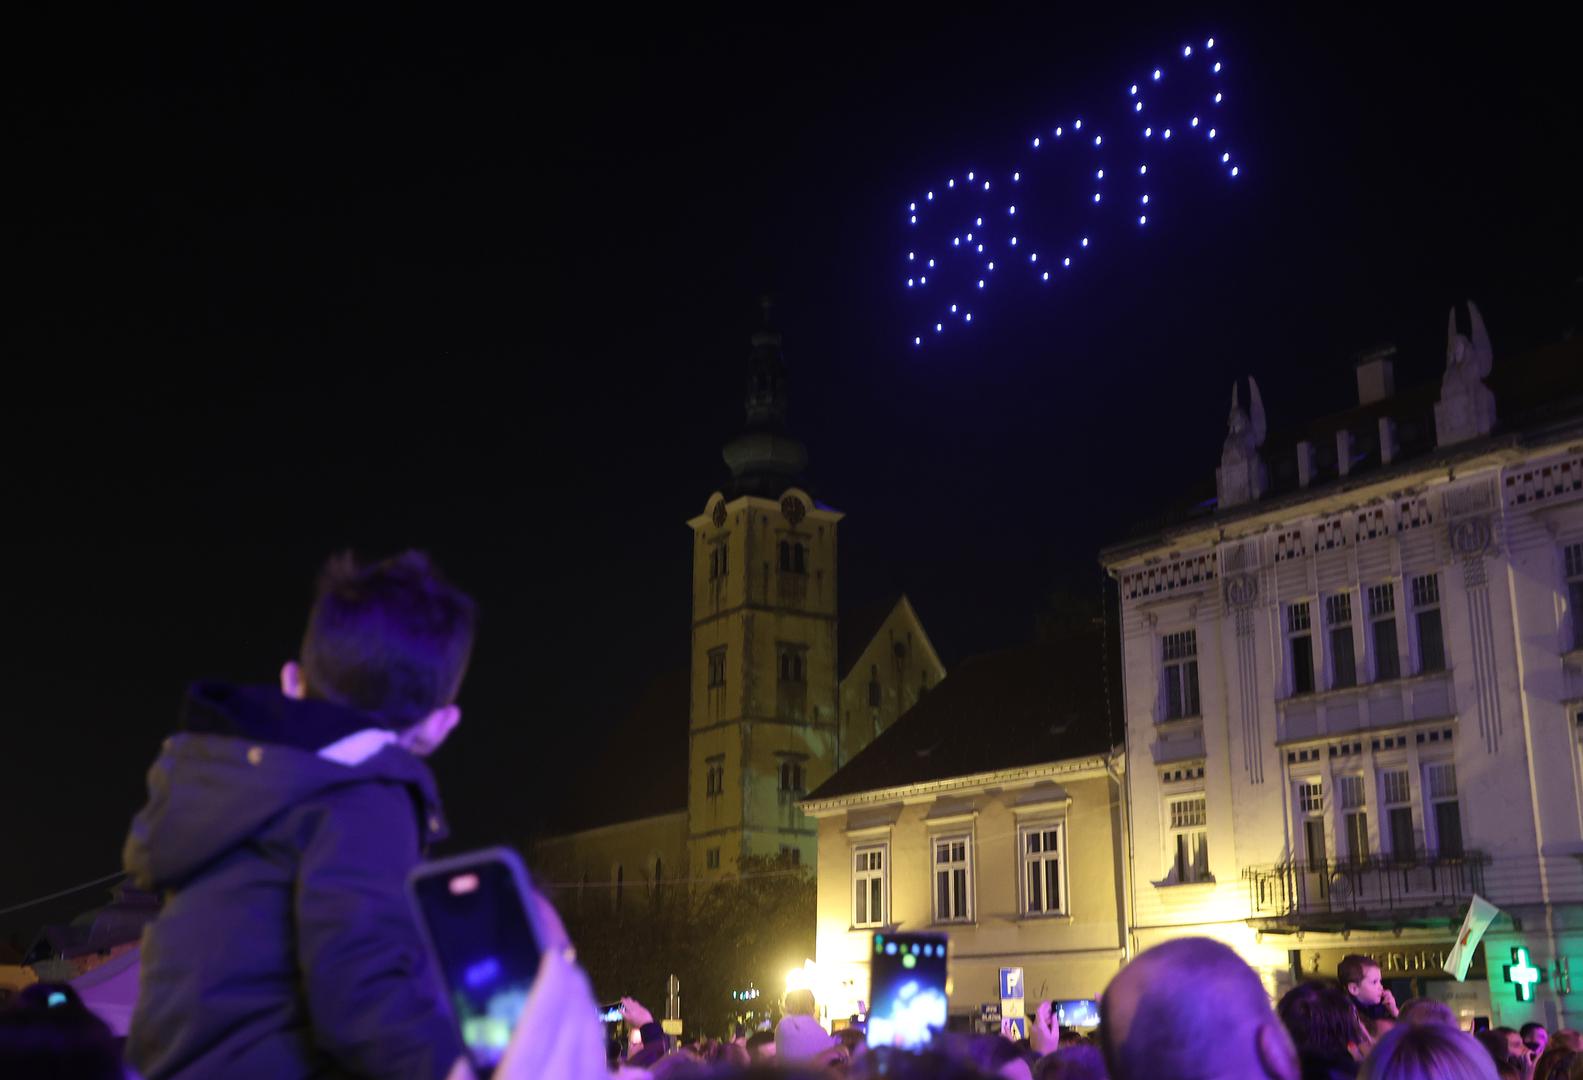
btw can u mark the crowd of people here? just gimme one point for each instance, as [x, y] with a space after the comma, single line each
[281, 826]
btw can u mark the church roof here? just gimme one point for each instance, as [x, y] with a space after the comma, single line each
[1038, 703]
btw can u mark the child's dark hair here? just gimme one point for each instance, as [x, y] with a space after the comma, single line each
[390, 638]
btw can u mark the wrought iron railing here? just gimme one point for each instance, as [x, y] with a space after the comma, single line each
[1367, 888]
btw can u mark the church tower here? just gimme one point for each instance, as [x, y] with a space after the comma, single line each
[762, 714]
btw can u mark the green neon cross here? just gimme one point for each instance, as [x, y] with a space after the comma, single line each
[1521, 974]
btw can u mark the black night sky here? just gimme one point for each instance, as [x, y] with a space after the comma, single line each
[485, 288]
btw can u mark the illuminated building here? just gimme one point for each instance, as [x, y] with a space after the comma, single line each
[1354, 686]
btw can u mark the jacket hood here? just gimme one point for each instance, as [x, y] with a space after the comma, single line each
[245, 755]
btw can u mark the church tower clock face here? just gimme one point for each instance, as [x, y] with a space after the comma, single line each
[792, 510]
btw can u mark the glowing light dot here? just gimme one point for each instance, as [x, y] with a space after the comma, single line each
[951, 183]
[953, 309]
[1077, 125]
[1137, 107]
[1143, 170]
[1166, 134]
[970, 176]
[1224, 158]
[1234, 170]
[917, 341]
[1194, 122]
[1047, 275]
[977, 221]
[923, 281]
[915, 219]
[968, 316]
[1143, 219]
[1210, 44]
[1036, 142]
[981, 249]
[1187, 50]
[1218, 97]
[1057, 133]
[938, 327]
[931, 264]
[969, 238]
[911, 255]
[1211, 133]
[1156, 74]
[1096, 196]
[956, 241]
[1145, 200]
[913, 207]
[980, 283]
[909, 283]
[1085, 241]
[992, 265]
[1100, 175]
[1147, 132]
[1016, 176]
[1013, 241]
[1217, 66]
[1097, 139]
[1034, 257]
[1012, 210]
[931, 196]
[1067, 261]
[1134, 89]
[986, 185]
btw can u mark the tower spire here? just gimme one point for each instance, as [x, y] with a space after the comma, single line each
[764, 459]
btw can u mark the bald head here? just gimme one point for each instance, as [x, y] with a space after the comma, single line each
[1192, 1010]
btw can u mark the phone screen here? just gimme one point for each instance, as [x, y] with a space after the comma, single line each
[611, 1013]
[907, 989]
[488, 953]
[1078, 1013]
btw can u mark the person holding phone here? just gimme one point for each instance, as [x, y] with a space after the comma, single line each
[281, 826]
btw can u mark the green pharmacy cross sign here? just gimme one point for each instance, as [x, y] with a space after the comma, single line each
[1522, 974]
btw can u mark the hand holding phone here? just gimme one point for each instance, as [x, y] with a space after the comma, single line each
[907, 974]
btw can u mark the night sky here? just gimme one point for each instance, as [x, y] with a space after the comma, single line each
[485, 289]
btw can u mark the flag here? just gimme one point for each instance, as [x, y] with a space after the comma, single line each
[1480, 914]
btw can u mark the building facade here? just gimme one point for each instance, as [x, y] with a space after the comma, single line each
[1354, 690]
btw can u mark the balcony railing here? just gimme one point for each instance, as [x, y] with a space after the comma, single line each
[1370, 892]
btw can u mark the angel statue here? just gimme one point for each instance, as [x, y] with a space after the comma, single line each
[1241, 476]
[1466, 408]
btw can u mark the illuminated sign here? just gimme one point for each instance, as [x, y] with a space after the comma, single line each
[1522, 974]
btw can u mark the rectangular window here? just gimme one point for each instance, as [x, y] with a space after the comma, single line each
[717, 666]
[715, 777]
[1343, 658]
[1354, 817]
[1574, 569]
[1397, 794]
[792, 776]
[1382, 630]
[952, 879]
[1044, 869]
[1311, 797]
[792, 659]
[1181, 674]
[1426, 619]
[712, 858]
[1440, 784]
[1190, 837]
[1300, 642]
[792, 854]
[868, 886]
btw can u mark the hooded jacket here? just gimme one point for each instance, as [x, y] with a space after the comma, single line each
[286, 947]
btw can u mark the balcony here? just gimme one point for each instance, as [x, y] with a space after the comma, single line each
[1376, 893]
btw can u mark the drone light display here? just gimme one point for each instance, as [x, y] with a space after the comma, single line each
[1182, 99]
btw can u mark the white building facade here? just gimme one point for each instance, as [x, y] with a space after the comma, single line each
[1355, 701]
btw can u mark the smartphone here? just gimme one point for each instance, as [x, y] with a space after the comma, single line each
[610, 1014]
[484, 939]
[1078, 1013]
[907, 989]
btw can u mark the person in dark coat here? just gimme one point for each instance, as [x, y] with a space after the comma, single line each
[280, 827]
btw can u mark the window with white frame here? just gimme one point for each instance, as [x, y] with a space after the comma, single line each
[1180, 651]
[1343, 657]
[1311, 811]
[1396, 798]
[1440, 787]
[1300, 647]
[1574, 572]
[953, 878]
[1382, 631]
[1044, 868]
[1354, 816]
[869, 869]
[1426, 623]
[1189, 832]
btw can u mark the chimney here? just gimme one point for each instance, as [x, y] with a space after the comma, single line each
[1376, 375]
[1305, 463]
[1343, 452]
[1387, 440]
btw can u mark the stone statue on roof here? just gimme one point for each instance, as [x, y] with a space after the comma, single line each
[1242, 477]
[1466, 409]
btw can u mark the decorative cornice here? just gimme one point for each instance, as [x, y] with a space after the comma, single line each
[999, 778]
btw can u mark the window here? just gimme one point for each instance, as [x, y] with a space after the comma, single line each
[794, 557]
[791, 854]
[1574, 568]
[1190, 838]
[868, 886]
[715, 776]
[1426, 619]
[1343, 659]
[1398, 803]
[1440, 781]
[952, 879]
[791, 664]
[1044, 869]
[1354, 817]
[785, 555]
[717, 560]
[1311, 797]
[1311, 804]
[712, 858]
[799, 566]
[791, 779]
[1300, 643]
[874, 690]
[1181, 674]
[1382, 631]
[717, 666]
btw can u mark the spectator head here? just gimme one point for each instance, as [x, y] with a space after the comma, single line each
[1360, 977]
[1427, 1052]
[391, 639]
[1428, 1011]
[1534, 1037]
[1320, 1019]
[800, 1003]
[761, 1046]
[1191, 1007]
[1080, 1062]
[799, 1038]
[1564, 1046]
[1504, 1047]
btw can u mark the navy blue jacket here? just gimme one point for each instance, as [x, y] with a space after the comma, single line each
[285, 947]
